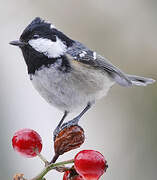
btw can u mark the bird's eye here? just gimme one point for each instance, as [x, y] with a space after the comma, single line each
[35, 36]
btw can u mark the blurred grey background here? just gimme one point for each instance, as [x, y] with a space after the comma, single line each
[121, 126]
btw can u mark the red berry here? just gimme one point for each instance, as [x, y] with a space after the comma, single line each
[26, 142]
[90, 164]
[69, 176]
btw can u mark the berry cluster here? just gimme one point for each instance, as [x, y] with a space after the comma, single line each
[87, 164]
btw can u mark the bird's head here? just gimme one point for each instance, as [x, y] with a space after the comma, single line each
[42, 37]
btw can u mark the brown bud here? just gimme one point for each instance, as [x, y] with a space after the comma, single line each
[69, 138]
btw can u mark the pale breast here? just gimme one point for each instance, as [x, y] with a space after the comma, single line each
[72, 90]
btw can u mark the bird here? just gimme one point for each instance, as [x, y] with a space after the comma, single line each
[66, 73]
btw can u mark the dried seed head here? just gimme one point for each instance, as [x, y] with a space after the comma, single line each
[68, 139]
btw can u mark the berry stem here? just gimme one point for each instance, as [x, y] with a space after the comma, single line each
[42, 158]
[50, 167]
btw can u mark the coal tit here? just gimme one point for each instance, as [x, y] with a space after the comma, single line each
[65, 72]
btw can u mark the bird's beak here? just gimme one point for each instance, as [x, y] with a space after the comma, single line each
[18, 43]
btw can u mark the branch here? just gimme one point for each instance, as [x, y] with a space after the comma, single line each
[50, 167]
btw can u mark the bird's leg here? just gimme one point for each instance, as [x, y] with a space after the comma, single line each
[66, 125]
[57, 129]
[77, 118]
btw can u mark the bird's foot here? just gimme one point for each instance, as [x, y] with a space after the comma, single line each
[72, 122]
[56, 132]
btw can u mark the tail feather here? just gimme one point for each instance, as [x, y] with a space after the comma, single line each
[140, 81]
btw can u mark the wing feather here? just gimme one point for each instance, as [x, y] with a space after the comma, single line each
[80, 53]
[90, 58]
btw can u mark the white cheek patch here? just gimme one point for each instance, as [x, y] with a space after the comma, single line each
[49, 48]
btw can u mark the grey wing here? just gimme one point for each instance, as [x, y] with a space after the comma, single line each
[83, 55]
[103, 64]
